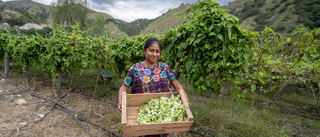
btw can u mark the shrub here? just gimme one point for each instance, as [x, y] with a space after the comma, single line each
[15, 21]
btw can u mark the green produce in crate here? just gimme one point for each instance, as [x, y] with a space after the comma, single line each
[162, 110]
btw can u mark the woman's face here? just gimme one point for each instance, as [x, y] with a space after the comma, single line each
[152, 53]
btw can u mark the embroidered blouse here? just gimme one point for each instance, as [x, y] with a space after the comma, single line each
[150, 80]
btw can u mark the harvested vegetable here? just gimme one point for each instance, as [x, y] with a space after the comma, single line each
[162, 110]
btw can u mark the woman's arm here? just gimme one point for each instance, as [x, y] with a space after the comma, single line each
[123, 88]
[177, 86]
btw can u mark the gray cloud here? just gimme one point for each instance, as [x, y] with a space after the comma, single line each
[100, 2]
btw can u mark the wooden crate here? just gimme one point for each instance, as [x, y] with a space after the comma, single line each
[130, 103]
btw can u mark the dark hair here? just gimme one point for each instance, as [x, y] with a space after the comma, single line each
[150, 41]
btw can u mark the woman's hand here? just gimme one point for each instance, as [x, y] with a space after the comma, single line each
[123, 88]
[120, 105]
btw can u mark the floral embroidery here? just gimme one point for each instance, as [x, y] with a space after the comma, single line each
[171, 76]
[147, 72]
[136, 74]
[161, 64]
[156, 78]
[146, 79]
[164, 74]
[142, 72]
[167, 68]
[128, 80]
[156, 71]
[139, 66]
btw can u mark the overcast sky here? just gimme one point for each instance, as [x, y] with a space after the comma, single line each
[130, 10]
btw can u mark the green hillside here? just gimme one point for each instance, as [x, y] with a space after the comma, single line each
[131, 28]
[166, 21]
[21, 12]
[281, 15]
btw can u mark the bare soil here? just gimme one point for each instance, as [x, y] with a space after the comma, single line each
[19, 112]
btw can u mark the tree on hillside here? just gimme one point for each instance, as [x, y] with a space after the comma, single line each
[309, 12]
[72, 11]
[97, 28]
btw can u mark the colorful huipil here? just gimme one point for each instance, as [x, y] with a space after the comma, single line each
[150, 80]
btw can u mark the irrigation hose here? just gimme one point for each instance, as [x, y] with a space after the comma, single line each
[56, 104]
[69, 111]
[91, 123]
[44, 115]
[99, 127]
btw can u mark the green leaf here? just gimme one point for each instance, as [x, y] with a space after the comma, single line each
[206, 63]
[253, 87]
[263, 71]
[189, 65]
[207, 46]
[204, 88]
[261, 81]
[317, 32]
[316, 78]
[215, 55]
[218, 27]
[241, 40]
[212, 33]
[197, 41]
[184, 45]
[220, 37]
[287, 71]
[201, 79]
[229, 33]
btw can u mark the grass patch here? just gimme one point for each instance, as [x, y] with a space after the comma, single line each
[230, 119]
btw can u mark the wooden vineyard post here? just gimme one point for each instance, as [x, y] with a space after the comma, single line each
[28, 73]
[6, 65]
[27, 68]
[17, 30]
[176, 72]
[59, 82]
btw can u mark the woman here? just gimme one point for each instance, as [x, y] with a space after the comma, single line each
[150, 76]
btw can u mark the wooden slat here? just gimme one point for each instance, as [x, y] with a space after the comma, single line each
[186, 104]
[124, 109]
[132, 115]
[159, 128]
[140, 99]
[133, 109]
